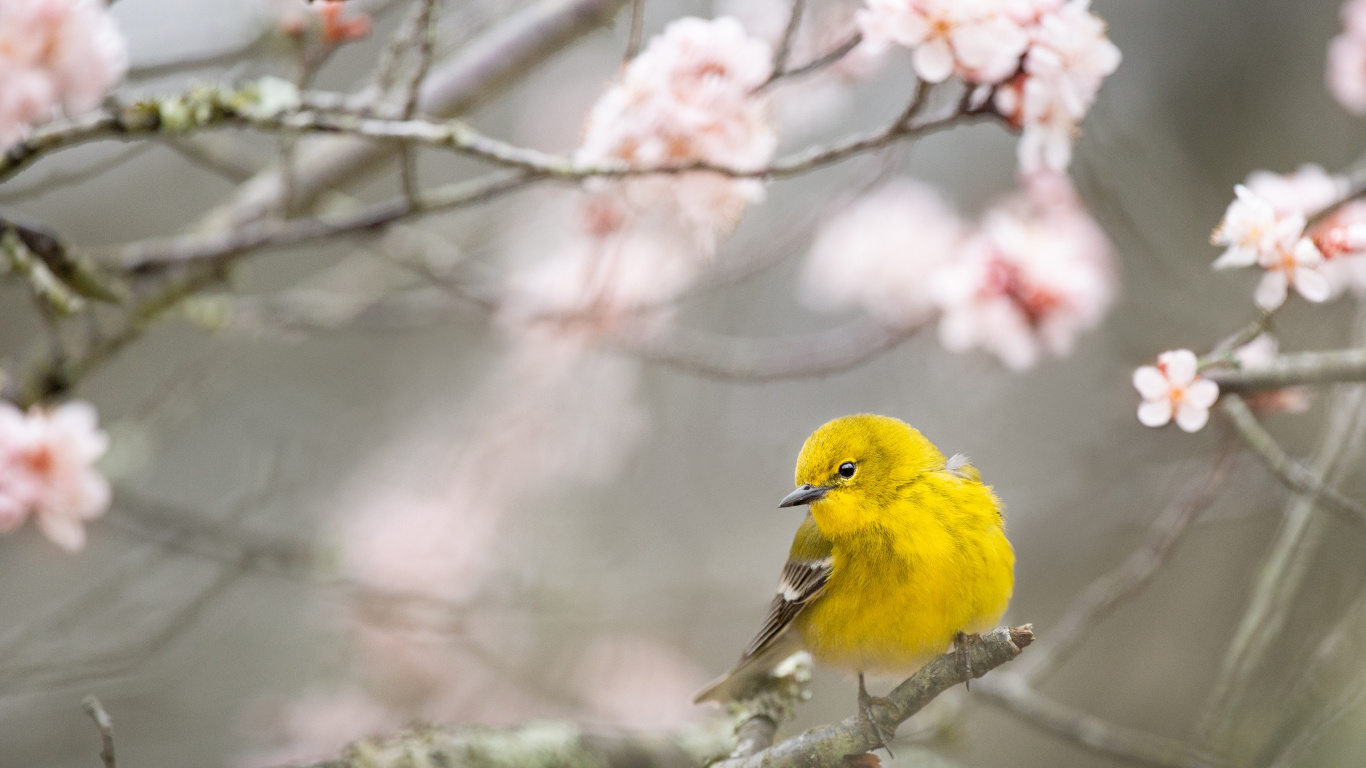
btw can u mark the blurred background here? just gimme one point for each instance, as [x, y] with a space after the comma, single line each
[619, 537]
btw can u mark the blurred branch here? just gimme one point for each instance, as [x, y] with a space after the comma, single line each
[482, 69]
[1335, 680]
[636, 33]
[820, 62]
[234, 169]
[1294, 368]
[59, 179]
[546, 743]
[95, 710]
[1013, 694]
[1291, 473]
[1106, 593]
[761, 360]
[1281, 574]
[221, 245]
[794, 24]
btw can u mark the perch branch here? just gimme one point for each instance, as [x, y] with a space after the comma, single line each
[826, 746]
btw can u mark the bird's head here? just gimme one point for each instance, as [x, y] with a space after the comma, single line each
[850, 470]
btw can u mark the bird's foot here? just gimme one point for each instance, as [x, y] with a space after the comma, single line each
[962, 644]
[865, 711]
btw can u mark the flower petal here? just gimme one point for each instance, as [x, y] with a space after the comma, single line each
[1271, 291]
[1236, 256]
[1201, 394]
[1191, 417]
[1155, 413]
[1306, 253]
[65, 532]
[933, 61]
[1150, 383]
[1180, 366]
[1312, 285]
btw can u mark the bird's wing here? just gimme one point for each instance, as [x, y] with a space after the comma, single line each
[801, 582]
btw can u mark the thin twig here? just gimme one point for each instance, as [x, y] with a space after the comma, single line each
[1104, 594]
[820, 62]
[1010, 692]
[92, 707]
[232, 169]
[427, 18]
[636, 33]
[59, 179]
[794, 24]
[1291, 473]
[763, 360]
[1335, 666]
[1281, 574]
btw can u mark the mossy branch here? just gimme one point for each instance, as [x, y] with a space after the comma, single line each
[745, 736]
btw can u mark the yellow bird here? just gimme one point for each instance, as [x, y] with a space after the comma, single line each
[903, 555]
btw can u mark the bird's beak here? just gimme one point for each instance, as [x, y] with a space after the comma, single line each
[805, 494]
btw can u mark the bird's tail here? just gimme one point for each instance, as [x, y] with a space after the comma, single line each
[750, 675]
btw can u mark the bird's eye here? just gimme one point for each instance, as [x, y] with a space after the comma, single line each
[847, 469]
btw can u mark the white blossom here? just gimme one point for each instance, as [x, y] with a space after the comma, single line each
[1174, 388]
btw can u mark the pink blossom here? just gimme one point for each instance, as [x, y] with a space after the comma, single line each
[55, 54]
[1308, 190]
[1069, 57]
[1341, 238]
[976, 39]
[880, 253]
[47, 469]
[1173, 387]
[688, 97]
[1255, 234]
[1037, 274]
[1251, 227]
[1346, 70]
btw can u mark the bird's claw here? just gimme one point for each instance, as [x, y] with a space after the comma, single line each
[865, 710]
[962, 644]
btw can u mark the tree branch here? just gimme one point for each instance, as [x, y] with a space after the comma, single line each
[1292, 369]
[761, 360]
[1011, 693]
[1114, 587]
[827, 746]
[1291, 473]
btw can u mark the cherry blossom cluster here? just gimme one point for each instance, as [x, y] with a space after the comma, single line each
[55, 55]
[1042, 61]
[47, 470]
[1267, 225]
[688, 97]
[1346, 71]
[1028, 279]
